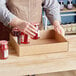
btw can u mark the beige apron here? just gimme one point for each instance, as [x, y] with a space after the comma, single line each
[29, 10]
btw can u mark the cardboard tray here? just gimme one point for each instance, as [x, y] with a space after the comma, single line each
[49, 42]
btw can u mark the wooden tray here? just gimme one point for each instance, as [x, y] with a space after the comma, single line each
[49, 42]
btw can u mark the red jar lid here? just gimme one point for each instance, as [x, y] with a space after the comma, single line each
[15, 29]
[35, 23]
[3, 42]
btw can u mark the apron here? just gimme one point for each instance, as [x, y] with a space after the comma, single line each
[29, 10]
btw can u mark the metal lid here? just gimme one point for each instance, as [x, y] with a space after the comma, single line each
[3, 42]
[35, 23]
[15, 29]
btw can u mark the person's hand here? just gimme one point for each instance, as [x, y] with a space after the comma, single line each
[58, 28]
[24, 26]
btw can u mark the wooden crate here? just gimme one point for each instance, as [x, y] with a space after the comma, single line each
[49, 42]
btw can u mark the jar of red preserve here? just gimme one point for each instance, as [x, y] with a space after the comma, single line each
[37, 35]
[16, 34]
[3, 49]
[24, 38]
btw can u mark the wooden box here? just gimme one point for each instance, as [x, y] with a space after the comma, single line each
[49, 42]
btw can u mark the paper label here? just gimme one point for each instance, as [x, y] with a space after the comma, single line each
[70, 6]
[22, 39]
[38, 33]
[5, 53]
[28, 38]
[61, 6]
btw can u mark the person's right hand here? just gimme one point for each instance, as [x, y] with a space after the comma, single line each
[24, 26]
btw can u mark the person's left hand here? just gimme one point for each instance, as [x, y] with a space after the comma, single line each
[59, 29]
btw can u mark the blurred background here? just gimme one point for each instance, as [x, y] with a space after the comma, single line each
[68, 17]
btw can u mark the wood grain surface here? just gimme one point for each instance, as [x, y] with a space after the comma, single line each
[39, 64]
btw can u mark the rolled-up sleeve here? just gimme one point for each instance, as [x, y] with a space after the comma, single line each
[5, 15]
[52, 10]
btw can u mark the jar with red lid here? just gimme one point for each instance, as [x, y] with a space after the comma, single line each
[70, 4]
[16, 34]
[24, 38]
[37, 35]
[3, 49]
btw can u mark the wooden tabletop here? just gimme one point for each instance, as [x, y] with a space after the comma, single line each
[38, 64]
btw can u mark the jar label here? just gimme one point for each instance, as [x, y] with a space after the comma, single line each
[5, 53]
[22, 38]
[70, 6]
[28, 39]
[38, 33]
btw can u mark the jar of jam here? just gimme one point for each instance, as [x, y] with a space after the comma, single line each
[70, 4]
[24, 38]
[61, 2]
[37, 35]
[3, 49]
[16, 34]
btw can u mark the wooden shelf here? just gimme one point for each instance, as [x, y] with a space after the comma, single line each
[67, 10]
[69, 28]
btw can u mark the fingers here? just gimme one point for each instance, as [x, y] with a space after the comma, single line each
[27, 28]
[32, 26]
[59, 29]
[29, 33]
[62, 31]
[30, 30]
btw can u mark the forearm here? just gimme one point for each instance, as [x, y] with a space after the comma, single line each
[52, 10]
[5, 15]
[56, 23]
[15, 21]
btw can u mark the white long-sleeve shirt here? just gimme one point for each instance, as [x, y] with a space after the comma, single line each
[51, 8]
